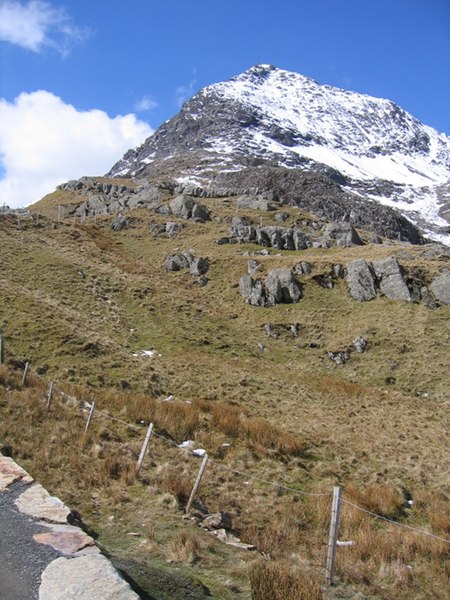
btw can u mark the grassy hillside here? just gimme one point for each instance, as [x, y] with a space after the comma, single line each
[79, 301]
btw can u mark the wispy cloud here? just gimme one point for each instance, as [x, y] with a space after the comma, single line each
[184, 92]
[38, 25]
[145, 104]
[44, 142]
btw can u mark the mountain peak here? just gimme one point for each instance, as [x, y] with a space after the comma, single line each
[270, 117]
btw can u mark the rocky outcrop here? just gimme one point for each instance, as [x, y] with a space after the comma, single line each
[390, 279]
[342, 234]
[280, 286]
[255, 203]
[197, 266]
[169, 229]
[441, 288]
[272, 236]
[187, 208]
[365, 278]
[361, 280]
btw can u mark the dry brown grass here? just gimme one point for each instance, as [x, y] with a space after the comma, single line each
[227, 418]
[185, 548]
[177, 483]
[269, 437]
[281, 581]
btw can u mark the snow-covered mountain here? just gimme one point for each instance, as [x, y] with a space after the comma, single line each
[268, 117]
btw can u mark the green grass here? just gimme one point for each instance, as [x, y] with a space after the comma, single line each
[78, 301]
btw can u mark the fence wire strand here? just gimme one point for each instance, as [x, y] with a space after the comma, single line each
[382, 518]
[84, 405]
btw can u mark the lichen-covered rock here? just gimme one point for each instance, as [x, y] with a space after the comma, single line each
[119, 223]
[361, 280]
[280, 286]
[342, 234]
[254, 203]
[441, 288]
[199, 266]
[390, 278]
[187, 208]
[175, 262]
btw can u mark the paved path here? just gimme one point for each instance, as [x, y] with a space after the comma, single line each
[42, 557]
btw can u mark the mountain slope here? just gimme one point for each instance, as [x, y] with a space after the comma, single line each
[271, 117]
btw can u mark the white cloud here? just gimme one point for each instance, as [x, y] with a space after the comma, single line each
[37, 25]
[44, 142]
[145, 104]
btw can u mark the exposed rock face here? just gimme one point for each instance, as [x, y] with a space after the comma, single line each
[169, 229]
[255, 203]
[187, 208]
[280, 286]
[361, 280]
[441, 288]
[272, 236]
[343, 234]
[262, 130]
[390, 278]
[176, 262]
[365, 278]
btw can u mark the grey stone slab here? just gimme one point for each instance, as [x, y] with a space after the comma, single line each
[82, 578]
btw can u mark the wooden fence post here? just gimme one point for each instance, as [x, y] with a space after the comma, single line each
[49, 395]
[334, 528]
[2, 348]
[148, 435]
[90, 417]
[25, 373]
[197, 483]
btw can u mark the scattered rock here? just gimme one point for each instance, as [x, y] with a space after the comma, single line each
[302, 268]
[220, 520]
[231, 540]
[281, 216]
[198, 266]
[360, 344]
[175, 262]
[282, 287]
[169, 229]
[339, 357]
[119, 223]
[277, 330]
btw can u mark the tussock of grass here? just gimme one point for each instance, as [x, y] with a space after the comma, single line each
[280, 581]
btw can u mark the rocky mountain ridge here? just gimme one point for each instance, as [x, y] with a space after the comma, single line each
[267, 118]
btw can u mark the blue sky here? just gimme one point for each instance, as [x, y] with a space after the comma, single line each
[82, 81]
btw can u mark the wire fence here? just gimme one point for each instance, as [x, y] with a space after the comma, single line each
[54, 388]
